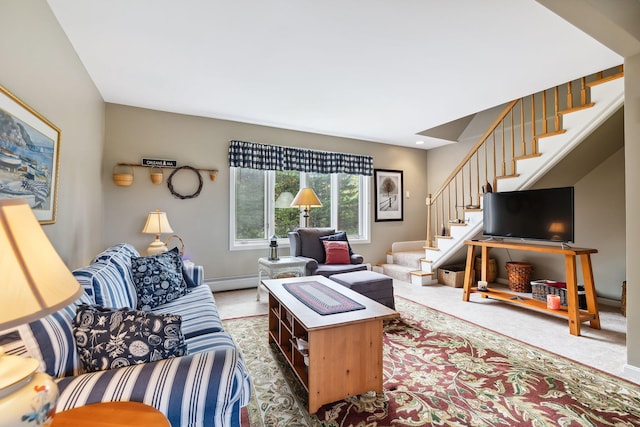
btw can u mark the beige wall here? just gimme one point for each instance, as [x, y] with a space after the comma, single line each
[632, 176]
[41, 68]
[203, 222]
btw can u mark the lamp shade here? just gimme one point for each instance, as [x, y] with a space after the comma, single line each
[157, 223]
[306, 198]
[284, 200]
[34, 281]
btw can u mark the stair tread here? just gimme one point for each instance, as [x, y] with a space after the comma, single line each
[420, 273]
[528, 156]
[399, 266]
[553, 133]
[578, 108]
[508, 176]
[606, 79]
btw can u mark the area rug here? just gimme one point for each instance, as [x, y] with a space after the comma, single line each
[443, 371]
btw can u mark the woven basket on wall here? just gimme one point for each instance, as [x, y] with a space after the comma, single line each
[519, 275]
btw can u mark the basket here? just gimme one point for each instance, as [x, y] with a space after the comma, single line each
[492, 270]
[120, 178]
[540, 289]
[451, 275]
[156, 175]
[181, 243]
[519, 275]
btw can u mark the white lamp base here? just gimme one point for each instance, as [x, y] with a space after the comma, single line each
[156, 247]
[27, 397]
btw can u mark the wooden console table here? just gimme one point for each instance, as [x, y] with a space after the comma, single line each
[571, 311]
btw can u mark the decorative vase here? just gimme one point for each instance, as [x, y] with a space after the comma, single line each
[27, 397]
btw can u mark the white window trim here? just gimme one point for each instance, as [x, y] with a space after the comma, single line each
[364, 219]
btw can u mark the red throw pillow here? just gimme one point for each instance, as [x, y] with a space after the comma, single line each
[337, 252]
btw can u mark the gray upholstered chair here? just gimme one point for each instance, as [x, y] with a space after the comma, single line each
[307, 243]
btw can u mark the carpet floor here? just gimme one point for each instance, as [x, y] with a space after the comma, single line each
[441, 370]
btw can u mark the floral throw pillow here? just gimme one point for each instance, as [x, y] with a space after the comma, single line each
[109, 339]
[158, 279]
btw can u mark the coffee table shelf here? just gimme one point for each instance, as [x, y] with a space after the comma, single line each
[283, 334]
[345, 349]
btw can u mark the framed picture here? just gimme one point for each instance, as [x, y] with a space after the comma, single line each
[29, 149]
[388, 195]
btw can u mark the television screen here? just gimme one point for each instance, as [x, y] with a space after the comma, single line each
[545, 214]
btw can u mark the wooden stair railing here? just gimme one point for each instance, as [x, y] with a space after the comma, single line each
[512, 136]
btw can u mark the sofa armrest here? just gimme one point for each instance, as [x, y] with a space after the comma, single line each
[206, 388]
[311, 266]
[357, 259]
[195, 272]
[294, 243]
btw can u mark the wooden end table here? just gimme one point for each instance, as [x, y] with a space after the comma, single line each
[111, 414]
[286, 266]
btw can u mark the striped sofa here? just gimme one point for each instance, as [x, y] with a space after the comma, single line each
[205, 388]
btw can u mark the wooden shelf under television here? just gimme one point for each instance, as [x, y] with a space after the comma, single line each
[575, 316]
[515, 298]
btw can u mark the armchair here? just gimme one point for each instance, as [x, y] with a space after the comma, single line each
[307, 243]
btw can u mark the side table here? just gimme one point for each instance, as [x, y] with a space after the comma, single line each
[287, 266]
[111, 414]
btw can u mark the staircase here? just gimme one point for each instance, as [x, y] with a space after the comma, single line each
[528, 138]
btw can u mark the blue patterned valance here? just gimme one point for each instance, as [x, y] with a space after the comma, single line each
[274, 157]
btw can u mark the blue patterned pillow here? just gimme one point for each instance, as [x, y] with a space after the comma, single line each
[158, 279]
[108, 339]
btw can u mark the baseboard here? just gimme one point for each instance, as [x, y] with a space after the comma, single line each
[632, 372]
[220, 284]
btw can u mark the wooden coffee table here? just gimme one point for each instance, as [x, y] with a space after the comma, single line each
[345, 349]
[111, 414]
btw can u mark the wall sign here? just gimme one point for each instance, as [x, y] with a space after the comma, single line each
[159, 162]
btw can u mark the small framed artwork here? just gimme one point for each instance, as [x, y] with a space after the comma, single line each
[29, 149]
[388, 195]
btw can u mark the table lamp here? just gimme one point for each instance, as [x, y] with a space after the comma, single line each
[284, 200]
[557, 229]
[306, 199]
[157, 223]
[34, 282]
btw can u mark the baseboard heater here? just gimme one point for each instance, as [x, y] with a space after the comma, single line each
[220, 284]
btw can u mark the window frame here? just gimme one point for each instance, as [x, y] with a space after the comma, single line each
[364, 211]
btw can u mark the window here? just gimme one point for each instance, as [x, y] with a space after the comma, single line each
[260, 207]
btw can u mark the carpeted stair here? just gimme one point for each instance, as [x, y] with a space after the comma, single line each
[402, 264]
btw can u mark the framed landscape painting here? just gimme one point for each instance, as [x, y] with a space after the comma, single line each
[29, 149]
[388, 195]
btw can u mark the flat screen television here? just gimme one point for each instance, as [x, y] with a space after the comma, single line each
[544, 214]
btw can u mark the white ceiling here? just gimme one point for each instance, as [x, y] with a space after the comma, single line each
[377, 70]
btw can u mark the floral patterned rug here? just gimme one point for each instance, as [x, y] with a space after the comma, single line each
[443, 371]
